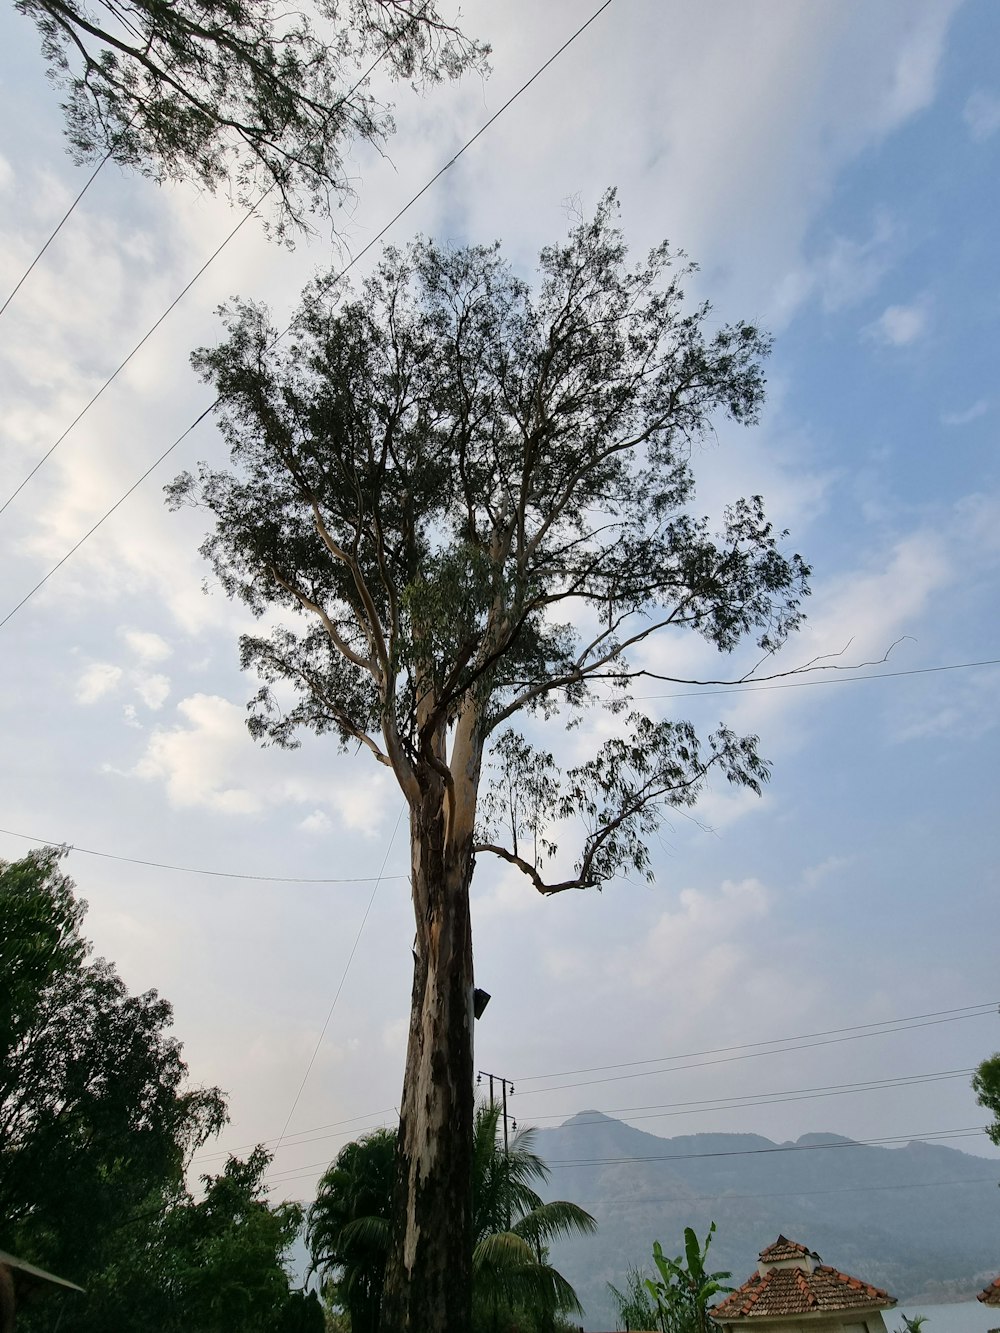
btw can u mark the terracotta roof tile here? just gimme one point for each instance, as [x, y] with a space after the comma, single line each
[990, 1295]
[796, 1291]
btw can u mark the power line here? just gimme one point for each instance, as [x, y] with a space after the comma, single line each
[832, 680]
[173, 304]
[58, 228]
[361, 253]
[750, 1045]
[788, 1194]
[861, 1029]
[970, 1132]
[753, 1054]
[288, 1175]
[197, 870]
[703, 1107]
[347, 968]
[263, 1143]
[707, 1105]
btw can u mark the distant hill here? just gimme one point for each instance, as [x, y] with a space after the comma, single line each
[922, 1221]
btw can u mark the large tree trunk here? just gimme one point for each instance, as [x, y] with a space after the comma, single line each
[429, 1277]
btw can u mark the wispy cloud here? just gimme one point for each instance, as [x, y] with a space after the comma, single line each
[978, 409]
[982, 115]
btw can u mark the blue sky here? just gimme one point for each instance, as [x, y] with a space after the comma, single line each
[833, 167]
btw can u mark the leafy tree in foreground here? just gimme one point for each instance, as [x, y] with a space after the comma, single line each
[239, 92]
[95, 1116]
[475, 499]
[986, 1086]
[212, 1266]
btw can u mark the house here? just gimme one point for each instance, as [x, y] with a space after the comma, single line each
[794, 1292]
[990, 1295]
[17, 1279]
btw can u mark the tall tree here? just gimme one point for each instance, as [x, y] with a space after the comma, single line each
[474, 499]
[96, 1117]
[240, 93]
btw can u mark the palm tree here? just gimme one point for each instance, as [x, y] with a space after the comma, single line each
[513, 1227]
[348, 1228]
[348, 1225]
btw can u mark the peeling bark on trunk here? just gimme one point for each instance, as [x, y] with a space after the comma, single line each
[428, 1282]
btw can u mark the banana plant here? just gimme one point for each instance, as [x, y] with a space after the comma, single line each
[685, 1286]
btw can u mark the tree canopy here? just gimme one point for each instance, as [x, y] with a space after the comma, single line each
[472, 501]
[95, 1111]
[98, 1125]
[240, 93]
[986, 1086]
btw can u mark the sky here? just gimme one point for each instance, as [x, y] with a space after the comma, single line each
[833, 169]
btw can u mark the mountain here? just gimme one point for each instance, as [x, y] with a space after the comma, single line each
[922, 1221]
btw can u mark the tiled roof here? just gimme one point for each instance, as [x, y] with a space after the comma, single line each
[783, 1248]
[797, 1291]
[990, 1295]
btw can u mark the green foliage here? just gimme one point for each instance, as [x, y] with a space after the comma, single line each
[986, 1086]
[97, 1128]
[634, 1306]
[239, 92]
[211, 1266]
[95, 1115]
[685, 1288]
[348, 1229]
[912, 1323]
[475, 499]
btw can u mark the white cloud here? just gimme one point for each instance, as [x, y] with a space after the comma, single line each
[209, 760]
[153, 690]
[99, 679]
[195, 760]
[146, 645]
[900, 325]
[978, 409]
[982, 115]
[317, 822]
[6, 173]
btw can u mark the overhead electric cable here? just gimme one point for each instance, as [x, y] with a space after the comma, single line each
[972, 1131]
[251, 211]
[703, 1107]
[829, 680]
[707, 1105]
[992, 1005]
[58, 228]
[197, 870]
[340, 987]
[763, 1194]
[788, 1194]
[724, 1152]
[361, 253]
[750, 1055]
